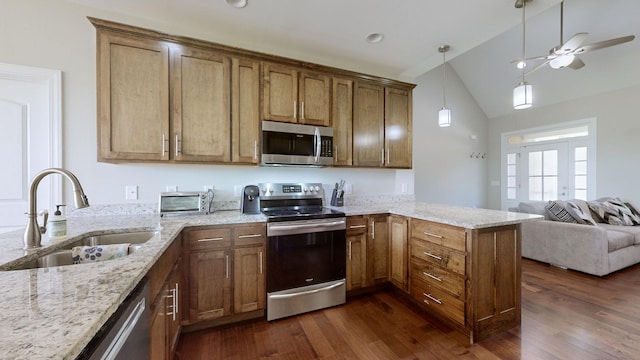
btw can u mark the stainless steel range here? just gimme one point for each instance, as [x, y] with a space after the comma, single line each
[306, 249]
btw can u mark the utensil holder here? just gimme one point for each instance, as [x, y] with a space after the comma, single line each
[335, 200]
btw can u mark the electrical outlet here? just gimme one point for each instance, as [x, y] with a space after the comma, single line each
[172, 188]
[404, 188]
[348, 189]
[237, 190]
[131, 192]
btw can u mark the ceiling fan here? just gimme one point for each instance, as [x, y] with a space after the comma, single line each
[566, 54]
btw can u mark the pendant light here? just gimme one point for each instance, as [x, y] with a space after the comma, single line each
[444, 115]
[523, 93]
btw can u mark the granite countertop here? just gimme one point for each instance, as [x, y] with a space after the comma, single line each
[52, 313]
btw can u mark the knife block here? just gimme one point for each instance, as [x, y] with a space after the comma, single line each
[335, 200]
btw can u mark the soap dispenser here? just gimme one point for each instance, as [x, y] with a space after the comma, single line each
[58, 225]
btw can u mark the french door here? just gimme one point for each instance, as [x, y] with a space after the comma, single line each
[544, 172]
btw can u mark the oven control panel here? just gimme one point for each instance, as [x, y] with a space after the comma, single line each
[291, 190]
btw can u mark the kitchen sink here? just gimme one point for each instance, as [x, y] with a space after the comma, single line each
[63, 256]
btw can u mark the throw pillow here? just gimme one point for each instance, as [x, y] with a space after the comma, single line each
[633, 209]
[578, 212]
[556, 211]
[614, 212]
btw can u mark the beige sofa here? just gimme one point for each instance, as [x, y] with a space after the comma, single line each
[597, 250]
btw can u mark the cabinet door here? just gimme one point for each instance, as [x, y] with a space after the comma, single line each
[280, 93]
[399, 267]
[342, 122]
[397, 128]
[158, 327]
[314, 100]
[378, 250]
[249, 280]
[201, 107]
[133, 98]
[210, 285]
[175, 311]
[356, 252]
[245, 111]
[368, 125]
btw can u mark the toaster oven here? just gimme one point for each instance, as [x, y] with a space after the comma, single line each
[185, 202]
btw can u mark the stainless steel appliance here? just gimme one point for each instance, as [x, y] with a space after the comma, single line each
[185, 202]
[306, 250]
[250, 201]
[296, 144]
[126, 333]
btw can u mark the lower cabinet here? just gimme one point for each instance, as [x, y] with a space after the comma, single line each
[399, 251]
[165, 279]
[356, 252]
[226, 271]
[367, 251]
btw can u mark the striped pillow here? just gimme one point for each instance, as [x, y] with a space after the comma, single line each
[556, 211]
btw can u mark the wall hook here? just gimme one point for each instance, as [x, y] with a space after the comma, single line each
[484, 155]
[472, 154]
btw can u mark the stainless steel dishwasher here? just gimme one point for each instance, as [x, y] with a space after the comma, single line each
[126, 333]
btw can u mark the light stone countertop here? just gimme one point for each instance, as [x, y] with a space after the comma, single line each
[52, 313]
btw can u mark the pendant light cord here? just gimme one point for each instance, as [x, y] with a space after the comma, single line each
[444, 78]
[524, 4]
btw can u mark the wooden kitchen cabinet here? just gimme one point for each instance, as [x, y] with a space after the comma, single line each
[200, 106]
[399, 251]
[368, 125]
[133, 98]
[165, 284]
[397, 128]
[378, 249]
[356, 252]
[296, 96]
[468, 277]
[342, 121]
[245, 111]
[226, 271]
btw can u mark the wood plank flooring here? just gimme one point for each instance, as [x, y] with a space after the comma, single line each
[565, 315]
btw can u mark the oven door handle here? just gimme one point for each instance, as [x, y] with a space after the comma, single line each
[326, 288]
[304, 228]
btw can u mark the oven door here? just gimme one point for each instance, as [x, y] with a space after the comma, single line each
[305, 252]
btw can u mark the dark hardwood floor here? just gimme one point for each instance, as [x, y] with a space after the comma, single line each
[565, 315]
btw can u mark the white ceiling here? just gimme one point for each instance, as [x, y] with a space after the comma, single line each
[484, 35]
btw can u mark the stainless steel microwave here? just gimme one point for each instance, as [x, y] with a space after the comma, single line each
[186, 202]
[296, 144]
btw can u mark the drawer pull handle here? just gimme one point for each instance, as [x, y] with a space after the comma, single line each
[431, 276]
[431, 255]
[249, 236]
[432, 298]
[357, 226]
[211, 239]
[433, 235]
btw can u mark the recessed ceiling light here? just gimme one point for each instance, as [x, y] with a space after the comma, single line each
[237, 3]
[374, 38]
[521, 65]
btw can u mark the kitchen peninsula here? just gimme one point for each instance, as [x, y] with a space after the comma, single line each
[54, 312]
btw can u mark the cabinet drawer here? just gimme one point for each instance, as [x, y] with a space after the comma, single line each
[438, 255]
[356, 225]
[440, 234]
[439, 301]
[249, 235]
[438, 276]
[209, 239]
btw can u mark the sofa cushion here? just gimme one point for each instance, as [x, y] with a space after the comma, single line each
[533, 207]
[614, 212]
[580, 211]
[619, 240]
[633, 230]
[556, 211]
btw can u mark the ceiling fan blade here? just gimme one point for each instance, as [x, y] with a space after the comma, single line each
[576, 63]
[573, 43]
[535, 58]
[604, 44]
[537, 68]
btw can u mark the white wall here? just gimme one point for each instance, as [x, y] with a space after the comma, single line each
[618, 139]
[443, 171]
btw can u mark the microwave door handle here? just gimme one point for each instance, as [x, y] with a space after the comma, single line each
[316, 142]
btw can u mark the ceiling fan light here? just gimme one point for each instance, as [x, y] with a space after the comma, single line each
[523, 96]
[237, 3]
[444, 117]
[521, 64]
[562, 61]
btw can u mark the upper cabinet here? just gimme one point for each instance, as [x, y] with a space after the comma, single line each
[295, 96]
[166, 98]
[133, 98]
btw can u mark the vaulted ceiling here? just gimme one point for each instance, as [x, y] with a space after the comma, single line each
[485, 36]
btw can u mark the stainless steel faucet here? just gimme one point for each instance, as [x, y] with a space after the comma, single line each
[33, 232]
